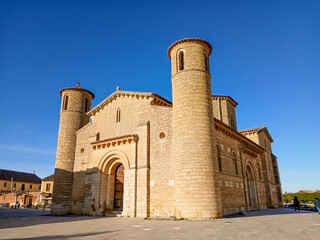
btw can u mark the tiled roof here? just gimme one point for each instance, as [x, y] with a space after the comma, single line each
[49, 178]
[256, 130]
[19, 176]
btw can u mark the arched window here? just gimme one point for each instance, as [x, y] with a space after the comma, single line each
[232, 121]
[86, 105]
[206, 59]
[181, 60]
[219, 159]
[65, 102]
[118, 115]
[235, 165]
[259, 171]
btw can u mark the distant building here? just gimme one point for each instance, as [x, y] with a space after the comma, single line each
[46, 189]
[308, 191]
[12, 182]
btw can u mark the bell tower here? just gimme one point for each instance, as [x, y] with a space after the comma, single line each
[76, 102]
[195, 161]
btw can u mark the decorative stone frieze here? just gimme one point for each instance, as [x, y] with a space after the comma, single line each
[111, 142]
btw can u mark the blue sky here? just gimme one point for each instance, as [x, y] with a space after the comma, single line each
[266, 55]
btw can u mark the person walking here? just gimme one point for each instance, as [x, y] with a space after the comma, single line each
[296, 203]
[317, 204]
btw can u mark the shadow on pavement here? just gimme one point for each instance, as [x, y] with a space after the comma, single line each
[266, 212]
[63, 236]
[13, 218]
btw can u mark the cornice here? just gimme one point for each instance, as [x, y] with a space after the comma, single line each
[154, 98]
[249, 146]
[111, 142]
[77, 88]
[256, 131]
[186, 40]
[225, 97]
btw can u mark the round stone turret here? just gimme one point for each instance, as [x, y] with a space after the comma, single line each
[197, 194]
[76, 102]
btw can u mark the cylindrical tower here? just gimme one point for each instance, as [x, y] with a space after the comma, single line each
[76, 102]
[197, 194]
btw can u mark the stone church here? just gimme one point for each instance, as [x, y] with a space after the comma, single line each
[139, 155]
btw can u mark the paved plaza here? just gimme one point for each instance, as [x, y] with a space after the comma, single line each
[266, 224]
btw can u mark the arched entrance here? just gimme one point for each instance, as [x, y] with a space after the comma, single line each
[118, 188]
[251, 189]
[114, 174]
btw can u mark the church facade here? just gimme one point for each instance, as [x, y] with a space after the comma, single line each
[140, 155]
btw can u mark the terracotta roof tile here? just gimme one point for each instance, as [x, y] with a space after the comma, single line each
[19, 176]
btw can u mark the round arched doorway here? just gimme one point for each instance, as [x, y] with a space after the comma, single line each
[118, 188]
[251, 189]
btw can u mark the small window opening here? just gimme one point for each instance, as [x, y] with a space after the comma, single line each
[232, 122]
[30, 186]
[235, 165]
[86, 105]
[22, 187]
[206, 59]
[65, 102]
[118, 115]
[219, 159]
[48, 186]
[181, 61]
[162, 135]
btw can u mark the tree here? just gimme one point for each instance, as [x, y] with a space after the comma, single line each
[4, 194]
[17, 193]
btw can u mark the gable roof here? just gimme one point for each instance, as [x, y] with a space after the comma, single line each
[155, 99]
[19, 176]
[257, 130]
[49, 178]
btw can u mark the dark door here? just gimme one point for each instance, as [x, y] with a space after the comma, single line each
[118, 188]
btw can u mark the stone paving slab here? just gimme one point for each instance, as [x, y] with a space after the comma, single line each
[266, 224]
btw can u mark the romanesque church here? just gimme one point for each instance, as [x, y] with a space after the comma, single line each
[139, 155]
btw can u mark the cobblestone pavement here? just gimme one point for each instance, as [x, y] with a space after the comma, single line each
[266, 224]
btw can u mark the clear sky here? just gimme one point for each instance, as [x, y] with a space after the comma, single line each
[266, 55]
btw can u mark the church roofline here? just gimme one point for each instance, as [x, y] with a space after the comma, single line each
[226, 97]
[190, 40]
[156, 99]
[248, 143]
[78, 88]
[257, 130]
